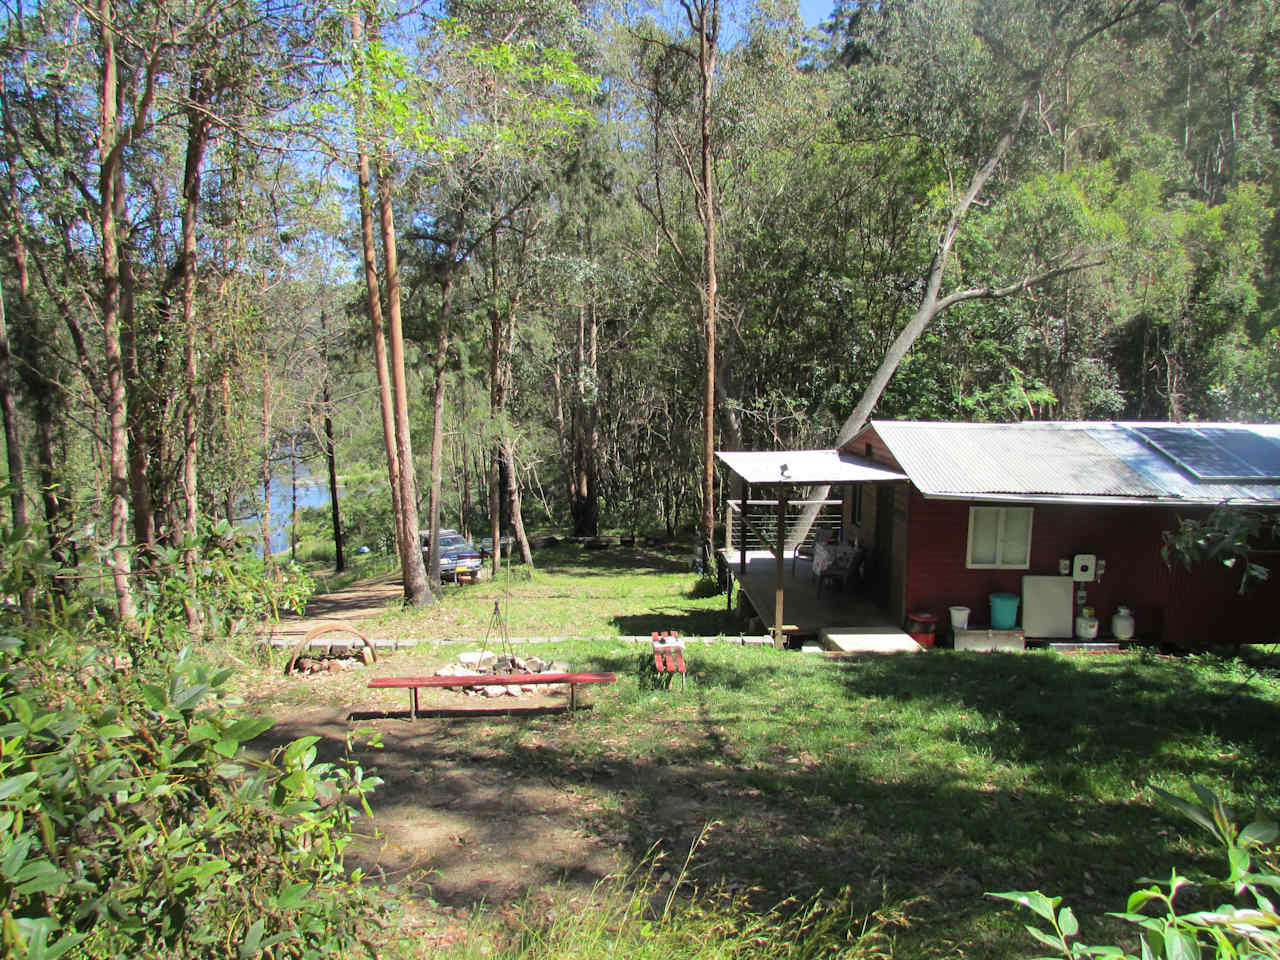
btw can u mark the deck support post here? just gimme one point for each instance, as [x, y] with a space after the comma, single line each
[742, 530]
[779, 638]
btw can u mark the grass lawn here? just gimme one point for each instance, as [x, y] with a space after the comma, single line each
[576, 592]
[918, 782]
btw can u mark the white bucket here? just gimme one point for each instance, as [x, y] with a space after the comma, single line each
[959, 618]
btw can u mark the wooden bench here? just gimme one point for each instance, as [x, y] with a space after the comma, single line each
[668, 654]
[413, 684]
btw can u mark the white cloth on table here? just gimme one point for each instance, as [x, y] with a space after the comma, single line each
[837, 558]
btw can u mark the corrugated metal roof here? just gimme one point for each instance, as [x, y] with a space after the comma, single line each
[1050, 460]
[804, 467]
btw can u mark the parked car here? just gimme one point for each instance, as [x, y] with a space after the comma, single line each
[457, 554]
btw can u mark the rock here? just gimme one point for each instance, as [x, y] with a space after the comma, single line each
[513, 690]
[493, 691]
[335, 666]
[478, 659]
[558, 666]
[527, 688]
[534, 665]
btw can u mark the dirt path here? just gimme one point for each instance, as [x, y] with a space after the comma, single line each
[360, 601]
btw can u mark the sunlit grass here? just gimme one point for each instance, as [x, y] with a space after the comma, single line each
[576, 592]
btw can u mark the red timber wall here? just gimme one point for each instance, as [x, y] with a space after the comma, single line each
[1182, 608]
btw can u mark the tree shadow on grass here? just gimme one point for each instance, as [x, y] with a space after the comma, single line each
[686, 621]
[580, 561]
[1063, 715]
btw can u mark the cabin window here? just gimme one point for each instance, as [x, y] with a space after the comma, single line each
[999, 537]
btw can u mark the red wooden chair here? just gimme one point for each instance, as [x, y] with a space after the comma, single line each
[668, 654]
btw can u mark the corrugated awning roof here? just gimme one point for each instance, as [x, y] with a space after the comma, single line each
[1052, 460]
[762, 468]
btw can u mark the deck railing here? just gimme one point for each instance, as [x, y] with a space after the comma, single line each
[758, 530]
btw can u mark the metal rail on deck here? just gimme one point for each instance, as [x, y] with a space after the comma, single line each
[757, 530]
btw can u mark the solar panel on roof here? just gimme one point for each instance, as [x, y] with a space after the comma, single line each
[1207, 457]
[1260, 452]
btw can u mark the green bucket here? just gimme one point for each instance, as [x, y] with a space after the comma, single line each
[1004, 611]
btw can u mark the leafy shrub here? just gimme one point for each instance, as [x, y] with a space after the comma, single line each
[133, 824]
[1227, 931]
[231, 586]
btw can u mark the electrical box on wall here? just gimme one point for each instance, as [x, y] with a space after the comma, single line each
[1084, 567]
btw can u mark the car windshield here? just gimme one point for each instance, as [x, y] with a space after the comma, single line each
[451, 543]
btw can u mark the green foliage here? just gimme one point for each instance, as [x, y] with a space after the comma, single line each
[1228, 536]
[1228, 931]
[230, 586]
[135, 825]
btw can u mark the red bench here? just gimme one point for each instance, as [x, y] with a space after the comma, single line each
[668, 654]
[413, 684]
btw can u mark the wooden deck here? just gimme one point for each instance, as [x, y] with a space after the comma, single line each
[803, 606]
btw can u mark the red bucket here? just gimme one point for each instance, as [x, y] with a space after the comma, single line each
[922, 627]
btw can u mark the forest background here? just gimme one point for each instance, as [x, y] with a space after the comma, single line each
[570, 247]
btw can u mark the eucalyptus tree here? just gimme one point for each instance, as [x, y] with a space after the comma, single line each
[672, 72]
[508, 92]
[376, 75]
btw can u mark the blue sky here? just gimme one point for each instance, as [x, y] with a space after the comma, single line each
[814, 12]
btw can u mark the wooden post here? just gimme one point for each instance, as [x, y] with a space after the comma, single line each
[780, 567]
[742, 530]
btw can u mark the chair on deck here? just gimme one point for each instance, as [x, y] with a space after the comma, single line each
[803, 551]
[808, 549]
[848, 566]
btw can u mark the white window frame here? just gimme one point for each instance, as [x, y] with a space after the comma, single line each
[1002, 514]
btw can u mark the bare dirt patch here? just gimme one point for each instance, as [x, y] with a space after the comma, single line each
[460, 826]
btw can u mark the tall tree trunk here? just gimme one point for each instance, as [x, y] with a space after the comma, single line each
[416, 590]
[496, 399]
[136, 394]
[293, 498]
[197, 138]
[339, 560]
[513, 504]
[704, 17]
[437, 422]
[43, 391]
[584, 505]
[110, 148]
[265, 516]
[12, 442]
[368, 251]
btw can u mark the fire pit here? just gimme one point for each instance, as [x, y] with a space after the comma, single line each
[481, 662]
[334, 656]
